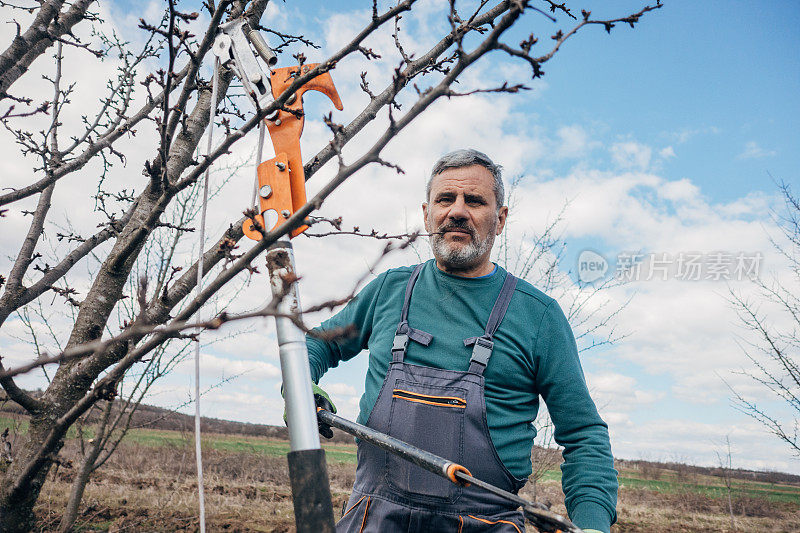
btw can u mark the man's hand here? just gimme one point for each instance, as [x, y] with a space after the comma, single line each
[321, 399]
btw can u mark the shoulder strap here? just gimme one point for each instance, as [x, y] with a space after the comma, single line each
[404, 331]
[483, 345]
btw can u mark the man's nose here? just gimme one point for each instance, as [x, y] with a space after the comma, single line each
[458, 209]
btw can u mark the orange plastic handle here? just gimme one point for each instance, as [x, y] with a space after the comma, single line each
[451, 470]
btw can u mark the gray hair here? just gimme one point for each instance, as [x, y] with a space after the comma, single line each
[466, 158]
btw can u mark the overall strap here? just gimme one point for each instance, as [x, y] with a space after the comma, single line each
[404, 331]
[484, 344]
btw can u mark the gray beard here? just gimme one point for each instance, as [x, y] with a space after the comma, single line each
[459, 258]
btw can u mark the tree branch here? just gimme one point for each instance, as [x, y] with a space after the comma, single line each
[387, 96]
[18, 395]
[48, 25]
[103, 143]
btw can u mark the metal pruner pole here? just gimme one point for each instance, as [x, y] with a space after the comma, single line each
[308, 470]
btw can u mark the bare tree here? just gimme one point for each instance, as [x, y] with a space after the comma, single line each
[113, 422]
[773, 316]
[725, 462]
[5, 447]
[175, 101]
[108, 421]
[588, 307]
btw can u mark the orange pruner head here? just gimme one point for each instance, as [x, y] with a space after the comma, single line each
[281, 180]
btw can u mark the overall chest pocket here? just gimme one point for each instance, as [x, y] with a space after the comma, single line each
[431, 418]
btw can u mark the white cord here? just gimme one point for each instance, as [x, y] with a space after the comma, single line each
[259, 150]
[198, 290]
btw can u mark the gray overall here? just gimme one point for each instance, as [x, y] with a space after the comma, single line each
[443, 412]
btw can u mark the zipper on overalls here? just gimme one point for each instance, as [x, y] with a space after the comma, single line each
[444, 401]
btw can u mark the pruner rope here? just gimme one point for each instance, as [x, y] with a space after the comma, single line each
[198, 289]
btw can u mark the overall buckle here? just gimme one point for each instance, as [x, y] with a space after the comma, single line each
[400, 342]
[482, 351]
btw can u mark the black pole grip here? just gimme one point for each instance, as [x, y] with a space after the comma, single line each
[311, 491]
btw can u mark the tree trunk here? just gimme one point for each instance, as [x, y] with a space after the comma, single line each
[16, 506]
[22, 483]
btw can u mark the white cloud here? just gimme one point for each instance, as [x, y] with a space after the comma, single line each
[684, 135]
[752, 150]
[755, 203]
[342, 389]
[600, 203]
[680, 190]
[667, 152]
[617, 419]
[573, 142]
[681, 440]
[630, 154]
[618, 396]
[680, 332]
[221, 368]
[611, 383]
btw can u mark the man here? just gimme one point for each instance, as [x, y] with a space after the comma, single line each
[459, 352]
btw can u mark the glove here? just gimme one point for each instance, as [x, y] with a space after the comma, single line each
[591, 531]
[321, 399]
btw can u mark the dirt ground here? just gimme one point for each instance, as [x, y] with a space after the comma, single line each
[153, 489]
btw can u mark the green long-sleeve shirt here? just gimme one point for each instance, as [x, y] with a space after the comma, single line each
[534, 354]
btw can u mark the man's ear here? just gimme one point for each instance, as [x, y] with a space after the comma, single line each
[425, 216]
[502, 215]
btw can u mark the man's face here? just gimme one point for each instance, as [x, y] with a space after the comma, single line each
[462, 217]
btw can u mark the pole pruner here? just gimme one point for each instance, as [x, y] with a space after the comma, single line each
[281, 191]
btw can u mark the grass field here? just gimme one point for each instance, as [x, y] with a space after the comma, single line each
[149, 485]
[339, 453]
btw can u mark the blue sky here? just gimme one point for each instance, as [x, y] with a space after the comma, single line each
[690, 67]
[728, 72]
[660, 139]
